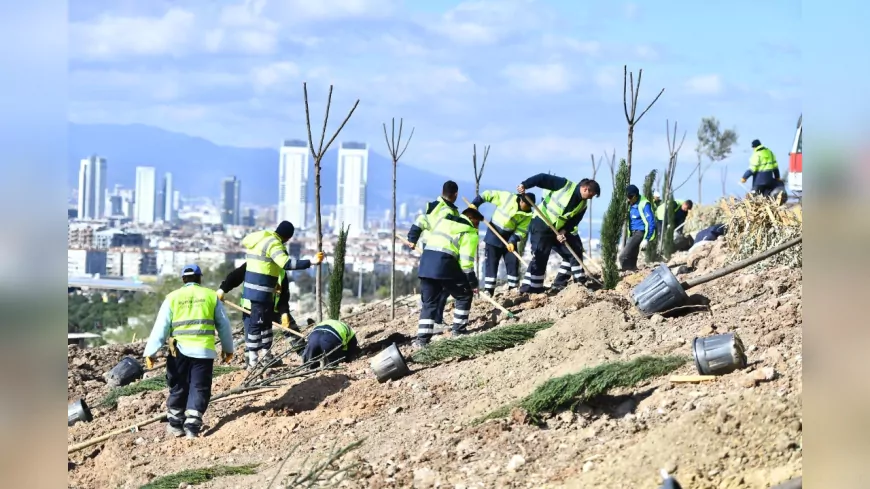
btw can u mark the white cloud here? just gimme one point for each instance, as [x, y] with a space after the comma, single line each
[483, 22]
[141, 86]
[549, 78]
[631, 10]
[591, 48]
[705, 85]
[608, 77]
[279, 73]
[646, 52]
[307, 10]
[115, 36]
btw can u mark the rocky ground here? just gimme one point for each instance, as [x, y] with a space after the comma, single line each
[741, 430]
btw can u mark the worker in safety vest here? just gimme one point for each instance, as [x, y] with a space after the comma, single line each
[641, 227]
[564, 206]
[187, 322]
[510, 219]
[763, 169]
[570, 268]
[447, 266]
[438, 209]
[330, 335]
[680, 212]
[265, 259]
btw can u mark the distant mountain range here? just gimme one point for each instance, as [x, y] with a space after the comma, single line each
[198, 166]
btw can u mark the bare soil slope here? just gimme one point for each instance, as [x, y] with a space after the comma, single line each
[741, 430]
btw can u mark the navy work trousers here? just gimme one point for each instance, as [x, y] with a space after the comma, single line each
[494, 255]
[258, 329]
[189, 381]
[323, 339]
[543, 243]
[431, 292]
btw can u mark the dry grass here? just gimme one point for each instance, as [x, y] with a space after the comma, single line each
[756, 224]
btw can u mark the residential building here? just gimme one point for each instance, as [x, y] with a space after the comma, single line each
[92, 188]
[293, 183]
[353, 167]
[136, 263]
[86, 262]
[146, 195]
[230, 194]
[115, 238]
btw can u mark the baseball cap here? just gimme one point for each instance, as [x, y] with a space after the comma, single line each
[631, 191]
[189, 270]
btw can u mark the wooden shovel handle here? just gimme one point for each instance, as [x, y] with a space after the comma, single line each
[243, 310]
[520, 258]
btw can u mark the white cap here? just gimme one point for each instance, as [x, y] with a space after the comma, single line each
[657, 195]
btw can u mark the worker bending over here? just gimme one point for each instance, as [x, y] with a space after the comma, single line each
[564, 205]
[641, 226]
[570, 268]
[438, 209]
[282, 297]
[510, 219]
[187, 321]
[447, 266]
[265, 259]
[326, 337]
[763, 169]
[678, 215]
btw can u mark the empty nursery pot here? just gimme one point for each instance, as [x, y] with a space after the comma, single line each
[658, 292]
[718, 354]
[389, 364]
[125, 372]
[78, 411]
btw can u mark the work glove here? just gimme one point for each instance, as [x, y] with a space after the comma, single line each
[220, 295]
[227, 356]
[285, 321]
[318, 258]
[149, 363]
[511, 248]
[521, 189]
[742, 180]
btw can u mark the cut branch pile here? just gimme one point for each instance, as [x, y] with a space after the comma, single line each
[756, 224]
[704, 216]
[569, 390]
[470, 346]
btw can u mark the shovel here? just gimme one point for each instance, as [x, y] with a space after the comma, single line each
[661, 291]
[243, 310]
[520, 258]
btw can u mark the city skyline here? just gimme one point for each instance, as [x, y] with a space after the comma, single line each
[92, 188]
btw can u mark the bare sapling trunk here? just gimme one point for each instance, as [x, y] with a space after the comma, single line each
[318, 157]
[666, 241]
[393, 144]
[629, 104]
[478, 174]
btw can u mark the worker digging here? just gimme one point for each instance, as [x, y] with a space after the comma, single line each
[266, 257]
[186, 323]
[563, 207]
[438, 209]
[507, 228]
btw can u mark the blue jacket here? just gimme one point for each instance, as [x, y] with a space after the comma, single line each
[552, 182]
[635, 222]
[711, 233]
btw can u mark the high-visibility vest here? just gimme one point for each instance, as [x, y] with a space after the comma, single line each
[265, 258]
[507, 215]
[555, 203]
[427, 222]
[762, 159]
[457, 239]
[660, 210]
[192, 310]
[339, 329]
[641, 204]
[246, 303]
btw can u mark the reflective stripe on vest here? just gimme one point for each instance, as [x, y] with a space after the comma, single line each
[641, 204]
[447, 238]
[434, 218]
[262, 274]
[556, 202]
[192, 311]
[246, 303]
[508, 215]
[341, 331]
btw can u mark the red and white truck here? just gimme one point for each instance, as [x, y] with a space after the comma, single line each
[795, 161]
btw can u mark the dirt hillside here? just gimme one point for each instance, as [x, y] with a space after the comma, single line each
[742, 430]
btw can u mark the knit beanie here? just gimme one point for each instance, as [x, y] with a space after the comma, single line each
[285, 229]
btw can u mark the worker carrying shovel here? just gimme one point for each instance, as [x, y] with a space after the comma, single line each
[507, 228]
[187, 322]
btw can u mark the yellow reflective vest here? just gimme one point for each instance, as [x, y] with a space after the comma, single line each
[266, 257]
[457, 238]
[507, 215]
[246, 303]
[192, 309]
[555, 203]
[427, 222]
[339, 329]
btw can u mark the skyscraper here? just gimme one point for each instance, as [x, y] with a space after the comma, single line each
[403, 211]
[353, 169]
[166, 209]
[146, 194]
[230, 193]
[92, 188]
[293, 183]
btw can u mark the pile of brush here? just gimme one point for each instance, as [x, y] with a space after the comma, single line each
[756, 224]
[704, 216]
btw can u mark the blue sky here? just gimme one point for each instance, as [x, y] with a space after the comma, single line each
[540, 81]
